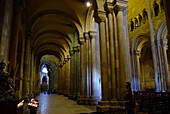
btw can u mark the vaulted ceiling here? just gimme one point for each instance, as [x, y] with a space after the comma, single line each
[55, 24]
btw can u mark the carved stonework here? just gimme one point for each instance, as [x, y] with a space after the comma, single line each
[164, 43]
[137, 53]
[108, 6]
[100, 16]
[93, 34]
[81, 40]
[120, 6]
[6, 83]
[71, 52]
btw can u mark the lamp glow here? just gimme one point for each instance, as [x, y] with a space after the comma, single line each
[88, 4]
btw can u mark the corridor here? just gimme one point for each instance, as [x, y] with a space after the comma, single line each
[58, 104]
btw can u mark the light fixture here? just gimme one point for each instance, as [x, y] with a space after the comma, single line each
[88, 4]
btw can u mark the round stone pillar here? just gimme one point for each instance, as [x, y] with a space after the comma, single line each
[110, 13]
[103, 105]
[82, 95]
[94, 78]
[71, 96]
[123, 51]
[100, 17]
[166, 78]
[27, 67]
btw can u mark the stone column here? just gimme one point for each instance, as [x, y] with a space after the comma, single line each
[87, 68]
[71, 96]
[80, 99]
[15, 36]
[110, 13]
[88, 63]
[94, 78]
[136, 69]
[153, 49]
[64, 77]
[75, 73]
[32, 74]
[121, 80]
[60, 79]
[26, 66]
[167, 12]
[100, 17]
[166, 78]
[34, 79]
[78, 70]
[68, 74]
[37, 80]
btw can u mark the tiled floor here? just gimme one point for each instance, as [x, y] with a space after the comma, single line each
[58, 104]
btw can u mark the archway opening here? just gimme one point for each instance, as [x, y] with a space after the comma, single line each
[44, 78]
[147, 74]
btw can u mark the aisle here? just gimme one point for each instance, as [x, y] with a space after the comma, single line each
[58, 104]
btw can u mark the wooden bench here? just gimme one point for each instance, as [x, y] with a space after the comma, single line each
[153, 102]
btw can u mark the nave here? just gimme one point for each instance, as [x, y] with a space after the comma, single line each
[58, 104]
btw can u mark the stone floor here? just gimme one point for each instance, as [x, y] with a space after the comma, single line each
[58, 104]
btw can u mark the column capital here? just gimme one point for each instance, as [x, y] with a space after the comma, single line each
[120, 6]
[66, 60]
[60, 65]
[164, 43]
[78, 48]
[86, 36]
[93, 34]
[100, 16]
[68, 56]
[75, 49]
[71, 52]
[137, 52]
[81, 40]
[108, 6]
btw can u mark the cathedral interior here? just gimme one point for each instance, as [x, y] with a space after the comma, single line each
[86, 50]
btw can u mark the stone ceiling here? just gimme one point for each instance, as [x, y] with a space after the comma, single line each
[54, 24]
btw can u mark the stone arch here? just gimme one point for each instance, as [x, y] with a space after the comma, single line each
[141, 54]
[163, 55]
[55, 12]
[73, 20]
[52, 32]
[90, 20]
[44, 77]
[98, 5]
